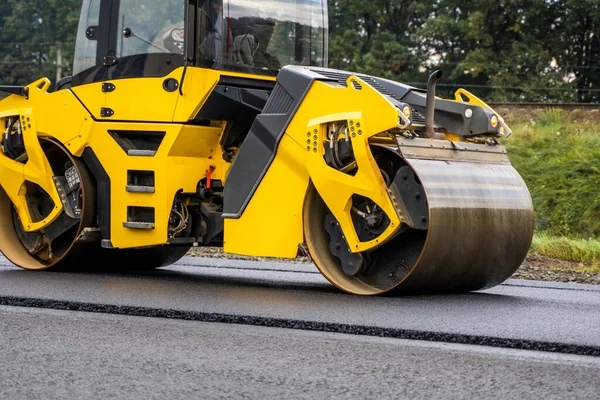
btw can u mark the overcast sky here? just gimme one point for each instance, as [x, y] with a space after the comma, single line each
[307, 12]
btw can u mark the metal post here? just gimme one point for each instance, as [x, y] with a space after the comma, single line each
[59, 66]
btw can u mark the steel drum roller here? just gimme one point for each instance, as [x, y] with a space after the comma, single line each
[476, 229]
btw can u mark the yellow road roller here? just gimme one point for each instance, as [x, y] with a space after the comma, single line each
[218, 123]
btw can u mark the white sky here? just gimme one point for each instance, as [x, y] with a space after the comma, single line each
[307, 12]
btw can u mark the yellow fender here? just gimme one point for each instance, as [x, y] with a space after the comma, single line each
[337, 188]
[300, 159]
[36, 170]
[464, 96]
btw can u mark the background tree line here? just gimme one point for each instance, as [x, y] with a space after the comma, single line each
[501, 50]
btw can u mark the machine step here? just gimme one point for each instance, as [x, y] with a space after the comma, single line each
[139, 225]
[139, 189]
[88, 235]
[141, 153]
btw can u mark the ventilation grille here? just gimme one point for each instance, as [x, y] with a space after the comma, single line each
[342, 78]
[280, 101]
[138, 143]
[377, 86]
[140, 181]
[417, 118]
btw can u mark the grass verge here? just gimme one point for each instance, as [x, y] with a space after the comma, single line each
[584, 252]
[560, 163]
[558, 156]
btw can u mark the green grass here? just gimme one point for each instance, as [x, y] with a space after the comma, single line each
[559, 160]
[552, 116]
[563, 248]
[560, 163]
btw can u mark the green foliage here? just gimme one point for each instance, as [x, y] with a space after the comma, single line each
[552, 116]
[386, 57]
[31, 32]
[560, 163]
[513, 50]
[577, 250]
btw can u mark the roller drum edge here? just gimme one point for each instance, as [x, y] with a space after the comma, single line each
[480, 226]
[467, 224]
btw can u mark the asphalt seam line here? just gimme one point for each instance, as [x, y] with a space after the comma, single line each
[329, 327]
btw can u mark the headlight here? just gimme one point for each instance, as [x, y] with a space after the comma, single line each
[404, 114]
[494, 121]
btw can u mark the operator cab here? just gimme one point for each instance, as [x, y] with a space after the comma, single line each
[150, 38]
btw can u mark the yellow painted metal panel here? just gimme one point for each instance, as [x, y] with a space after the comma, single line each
[142, 99]
[271, 224]
[197, 86]
[59, 115]
[145, 99]
[36, 170]
[176, 169]
[91, 96]
[278, 200]
[197, 142]
[367, 113]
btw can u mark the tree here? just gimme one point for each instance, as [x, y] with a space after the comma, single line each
[377, 37]
[577, 46]
[515, 50]
[30, 35]
[518, 50]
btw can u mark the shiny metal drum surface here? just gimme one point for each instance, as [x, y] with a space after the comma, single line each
[467, 222]
[480, 225]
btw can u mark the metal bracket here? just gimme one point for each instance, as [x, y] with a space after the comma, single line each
[352, 263]
[109, 61]
[139, 189]
[403, 121]
[90, 32]
[138, 225]
[106, 112]
[60, 183]
[409, 197]
[18, 90]
[141, 153]
[448, 150]
[108, 87]
[88, 235]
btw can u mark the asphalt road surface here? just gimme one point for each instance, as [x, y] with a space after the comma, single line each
[216, 328]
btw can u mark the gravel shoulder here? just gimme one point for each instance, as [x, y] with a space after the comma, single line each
[540, 268]
[534, 267]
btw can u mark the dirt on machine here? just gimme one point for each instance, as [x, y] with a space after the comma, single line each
[216, 123]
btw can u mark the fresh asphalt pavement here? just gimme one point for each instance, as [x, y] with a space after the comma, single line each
[545, 312]
[218, 328]
[50, 354]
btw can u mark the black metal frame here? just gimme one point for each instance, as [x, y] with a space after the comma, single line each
[18, 90]
[109, 66]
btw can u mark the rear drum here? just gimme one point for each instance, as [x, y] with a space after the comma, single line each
[56, 247]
